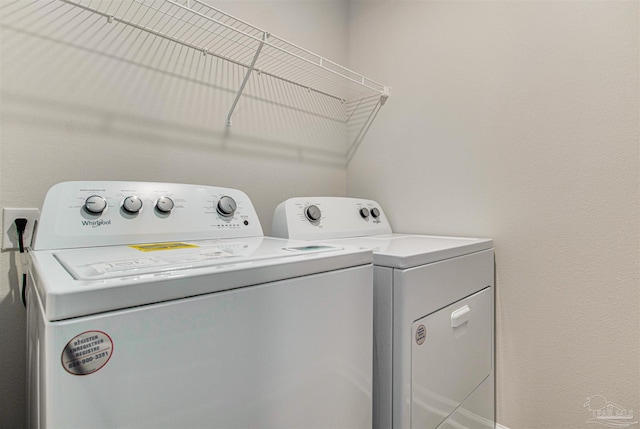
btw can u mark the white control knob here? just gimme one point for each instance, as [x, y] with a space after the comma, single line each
[95, 204]
[375, 212]
[164, 204]
[226, 206]
[364, 212]
[312, 213]
[132, 204]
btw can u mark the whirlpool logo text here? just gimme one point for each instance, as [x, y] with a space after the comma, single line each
[96, 223]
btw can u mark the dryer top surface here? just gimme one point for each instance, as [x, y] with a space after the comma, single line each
[411, 250]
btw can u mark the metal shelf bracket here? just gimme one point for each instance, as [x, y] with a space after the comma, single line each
[265, 35]
[384, 95]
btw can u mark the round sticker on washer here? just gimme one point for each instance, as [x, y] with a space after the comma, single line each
[86, 353]
[421, 334]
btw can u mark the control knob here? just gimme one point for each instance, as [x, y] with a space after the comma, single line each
[95, 204]
[164, 204]
[226, 206]
[375, 212]
[132, 204]
[312, 213]
[364, 212]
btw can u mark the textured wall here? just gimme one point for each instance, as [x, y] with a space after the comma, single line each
[519, 121]
[81, 99]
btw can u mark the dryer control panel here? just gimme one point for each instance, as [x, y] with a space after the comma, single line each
[104, 213]
[321, 218]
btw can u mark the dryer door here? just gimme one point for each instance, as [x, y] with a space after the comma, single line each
[451, 355]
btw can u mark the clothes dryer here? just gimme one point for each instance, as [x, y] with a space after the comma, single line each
[158, 305]
[433, 313]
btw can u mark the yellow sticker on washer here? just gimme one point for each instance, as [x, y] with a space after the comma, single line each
[152, 247]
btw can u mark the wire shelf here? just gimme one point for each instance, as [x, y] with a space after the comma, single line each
[199, 26]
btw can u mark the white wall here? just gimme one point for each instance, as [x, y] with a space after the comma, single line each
[81, 99]
[519, 121]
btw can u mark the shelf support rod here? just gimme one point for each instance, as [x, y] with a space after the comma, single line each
[351, 151]
[246, 77]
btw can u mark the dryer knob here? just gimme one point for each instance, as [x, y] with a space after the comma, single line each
[95, 204]
[164, 205]
[364, 212]
[312, 213]
[226, 206]
[375, 212]
[132, 204]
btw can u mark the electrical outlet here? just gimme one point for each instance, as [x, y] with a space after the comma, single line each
[9, 231]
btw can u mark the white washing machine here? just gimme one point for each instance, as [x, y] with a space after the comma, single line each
[433, 313]
[157, 305]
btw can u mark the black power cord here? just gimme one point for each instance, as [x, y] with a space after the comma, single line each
[21, 225]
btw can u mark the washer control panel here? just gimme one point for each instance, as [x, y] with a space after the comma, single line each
[317, 218]
[87, 214]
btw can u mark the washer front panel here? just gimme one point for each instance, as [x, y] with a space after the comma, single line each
[289, 354]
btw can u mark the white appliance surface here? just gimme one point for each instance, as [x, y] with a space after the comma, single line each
[408, 250]
[85, 281]
[433, 312]
[90, 214]
[162, 305]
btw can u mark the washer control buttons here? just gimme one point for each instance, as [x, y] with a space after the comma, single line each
[375, 212]
[364, 212]
[132, 204]
[226, 206]
[164, 204]
[95, 204]
[312, 213]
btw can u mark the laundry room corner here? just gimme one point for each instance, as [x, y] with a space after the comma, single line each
[516, 121]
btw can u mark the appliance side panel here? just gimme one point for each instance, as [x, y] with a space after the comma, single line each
[383, 345]
[35, 373]
[39, 367]
[280, 223]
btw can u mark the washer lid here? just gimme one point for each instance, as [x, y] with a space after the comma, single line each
[408, 250]
[77, 282]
